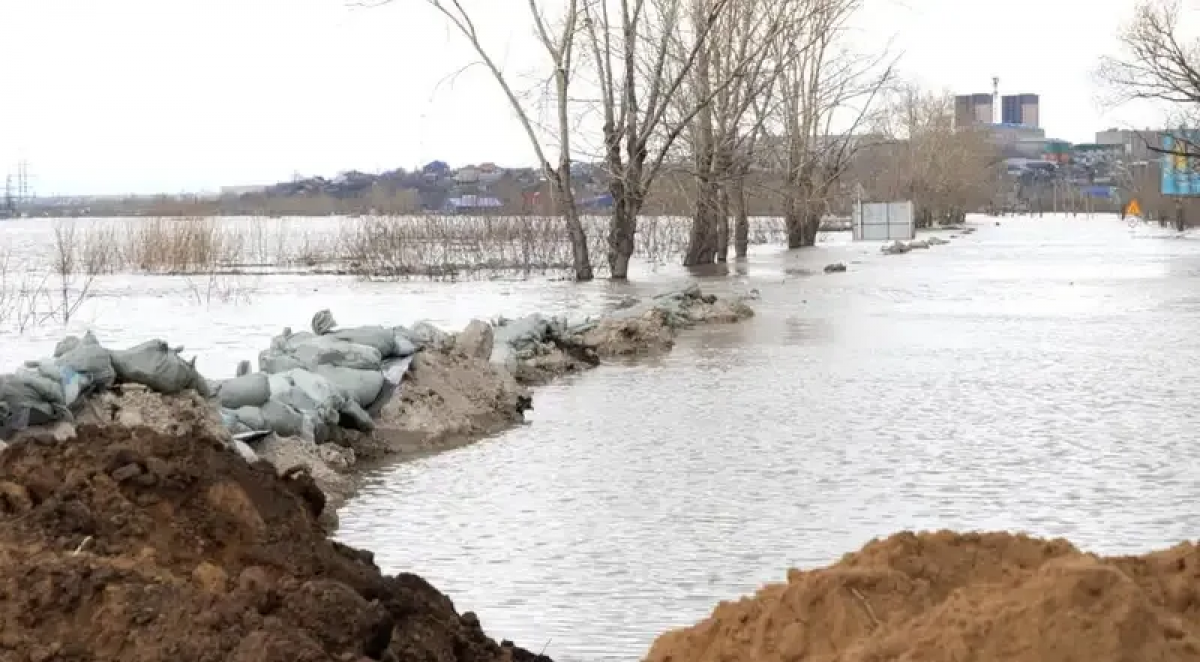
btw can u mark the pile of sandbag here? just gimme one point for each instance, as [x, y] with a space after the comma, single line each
[52, 390]
[527, 337]
[537, 335]
[310, 383]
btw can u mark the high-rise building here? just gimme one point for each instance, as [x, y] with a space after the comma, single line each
[973, 109]
[1019, 109]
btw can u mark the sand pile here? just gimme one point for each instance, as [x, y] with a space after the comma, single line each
[128, 544]
[939, 597]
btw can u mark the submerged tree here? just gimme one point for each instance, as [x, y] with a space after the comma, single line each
[820, 84]
[559, 44]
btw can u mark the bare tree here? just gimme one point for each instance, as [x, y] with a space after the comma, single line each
[560, 47]
[641, 70]
[922, 158]
[733, 73]
[1156, 66]
[819, 83]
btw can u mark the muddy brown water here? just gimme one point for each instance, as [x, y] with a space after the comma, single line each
[1037, 375]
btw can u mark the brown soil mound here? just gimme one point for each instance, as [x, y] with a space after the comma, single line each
[135, 546]
[942, 597]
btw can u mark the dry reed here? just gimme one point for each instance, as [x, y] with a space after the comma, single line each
[379, 247]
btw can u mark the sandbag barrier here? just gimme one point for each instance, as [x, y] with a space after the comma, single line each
[310, 384]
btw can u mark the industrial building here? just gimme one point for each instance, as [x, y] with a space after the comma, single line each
[1137, 145]
[973, 109]
[1019, 109]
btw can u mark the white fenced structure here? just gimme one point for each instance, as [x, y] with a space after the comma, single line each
[883, 221]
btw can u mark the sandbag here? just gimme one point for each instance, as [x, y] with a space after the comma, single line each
[328, 350]
[29, 399]
[247, 391]
[87, 357]
[323, 322]
[354, 417]
[65, 345]
[425, 334]
[394, 370]
[282, 419]
[153, 364]
[273, 361]
[251, 417]
[362, 386]
[382, 339]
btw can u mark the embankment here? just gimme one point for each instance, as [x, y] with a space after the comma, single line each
[327, 398]
[130, 545]
[947, 597]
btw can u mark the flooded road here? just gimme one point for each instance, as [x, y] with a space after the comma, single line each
[1036, 376]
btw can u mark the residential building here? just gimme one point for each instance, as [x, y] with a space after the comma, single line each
[973, 109]
[1019, 109]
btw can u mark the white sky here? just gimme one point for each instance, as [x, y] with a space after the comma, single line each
[114, 96]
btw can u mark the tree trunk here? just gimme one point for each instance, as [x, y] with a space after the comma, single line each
[793, 214]
[621, 232]
[702, 243]
[741, 225]
[581, 261]
[810, 226]
[723, 224]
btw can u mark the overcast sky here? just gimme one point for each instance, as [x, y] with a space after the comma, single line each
[112, 96]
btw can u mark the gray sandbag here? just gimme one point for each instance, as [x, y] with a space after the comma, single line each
[404, 346]
[89, 358]
[247, 391]
[329, 399]
[381, 338]
[273, 361]
[282, 419]
[73, 385]
[243, 369]
[394, 370]
[393, 373]
[327, 350]
[251, 417]
[354, 417]
[29, 399]
[65, 345]
[425, 334]
[158, 367]
[362, 386]
[323, 322]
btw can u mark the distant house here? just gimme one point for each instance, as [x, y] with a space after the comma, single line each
[489, 173]
[467, 175]
[602, 202]
[234, 191]
[466, 204]
[435, 170]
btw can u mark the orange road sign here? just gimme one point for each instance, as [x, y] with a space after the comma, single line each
[1134, 209]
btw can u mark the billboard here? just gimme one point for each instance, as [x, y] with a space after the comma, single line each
[1181, 172]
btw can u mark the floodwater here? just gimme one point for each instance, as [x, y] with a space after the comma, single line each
[1035, 375]
[1038, 375]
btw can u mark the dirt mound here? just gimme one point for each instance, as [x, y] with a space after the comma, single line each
[128, 544]
[938, 597]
